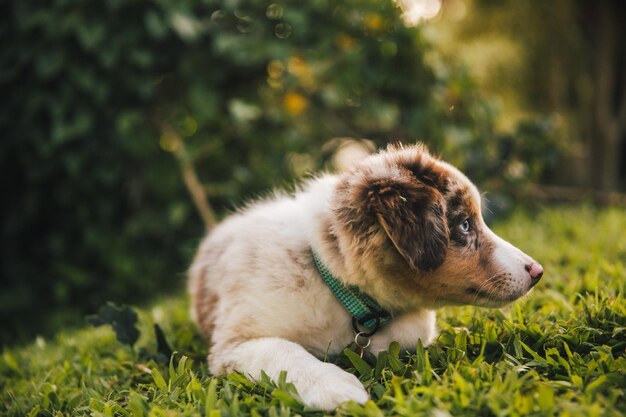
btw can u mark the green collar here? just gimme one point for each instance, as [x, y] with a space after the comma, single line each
[366, 313]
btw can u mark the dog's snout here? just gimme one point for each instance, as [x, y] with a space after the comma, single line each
[535, 271]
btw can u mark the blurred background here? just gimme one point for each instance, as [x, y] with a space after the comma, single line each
[128, 126]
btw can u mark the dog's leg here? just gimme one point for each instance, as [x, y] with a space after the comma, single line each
[322, 385]
[406, 329]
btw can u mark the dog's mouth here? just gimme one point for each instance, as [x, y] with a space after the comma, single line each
[482, 296]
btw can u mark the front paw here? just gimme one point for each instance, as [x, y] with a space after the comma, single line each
[330, 386]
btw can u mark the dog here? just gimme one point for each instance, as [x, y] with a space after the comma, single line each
[401, 227]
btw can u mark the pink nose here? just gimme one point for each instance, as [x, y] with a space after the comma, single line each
[535, 271]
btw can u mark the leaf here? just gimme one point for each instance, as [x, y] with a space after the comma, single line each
[534, 354]
[545, 397]
[240, 379]
[155, 26]
[210, 402]
[596, 384]
[137, 405]
[183, 365]
[381, 362]
[35, 411]
[394, 357]
[162, 346]
[394, 349]
[286, 399]
[359, 364]
[10, 362]
[159, 380]
[121, 318]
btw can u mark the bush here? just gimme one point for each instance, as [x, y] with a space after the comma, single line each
[96, 96]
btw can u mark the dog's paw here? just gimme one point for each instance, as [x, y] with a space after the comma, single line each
[330, 386]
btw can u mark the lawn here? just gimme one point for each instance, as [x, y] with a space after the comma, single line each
[560, 351]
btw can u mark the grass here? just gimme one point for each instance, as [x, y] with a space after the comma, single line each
[561, 351]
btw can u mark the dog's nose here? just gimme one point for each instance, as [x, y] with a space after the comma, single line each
[535, 271]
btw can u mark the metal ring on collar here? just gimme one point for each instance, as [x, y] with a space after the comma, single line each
[360, 345]
[356, 322]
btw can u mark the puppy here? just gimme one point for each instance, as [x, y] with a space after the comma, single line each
[402, 228]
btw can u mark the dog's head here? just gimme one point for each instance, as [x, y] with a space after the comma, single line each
[416, 221]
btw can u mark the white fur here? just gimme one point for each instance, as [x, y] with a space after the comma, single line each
[256, 286]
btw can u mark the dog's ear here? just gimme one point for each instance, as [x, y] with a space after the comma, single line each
[412, 214]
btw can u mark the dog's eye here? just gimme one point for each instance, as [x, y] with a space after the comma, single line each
[465, 226]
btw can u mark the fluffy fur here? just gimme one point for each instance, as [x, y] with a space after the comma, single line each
[402, 225]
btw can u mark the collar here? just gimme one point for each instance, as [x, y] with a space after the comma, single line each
[366, 312]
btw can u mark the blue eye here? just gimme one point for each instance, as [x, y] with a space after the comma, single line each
[465, 226]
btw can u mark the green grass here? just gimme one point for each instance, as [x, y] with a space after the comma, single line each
[561, 351]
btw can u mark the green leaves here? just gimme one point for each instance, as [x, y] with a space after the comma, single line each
[559, 352]
[159, 381]
[121, 318]
[256, 91]
[359, 364]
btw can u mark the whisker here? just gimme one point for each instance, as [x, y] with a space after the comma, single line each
[489, 287]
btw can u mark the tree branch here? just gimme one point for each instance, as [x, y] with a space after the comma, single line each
[195, 188]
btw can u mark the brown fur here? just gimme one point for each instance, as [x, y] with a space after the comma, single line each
[205, 303]
[412, 206]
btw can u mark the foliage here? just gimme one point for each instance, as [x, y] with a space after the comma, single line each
[121, 319]
[561, 60]
[95, 209]
[559, 352]
[97, 96]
